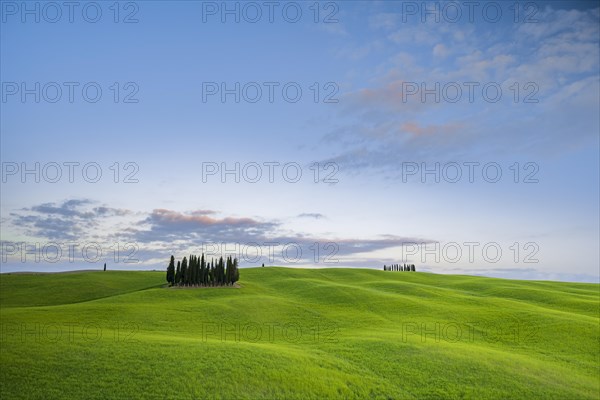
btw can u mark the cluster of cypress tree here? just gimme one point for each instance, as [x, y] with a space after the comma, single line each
[198, 272]
[398, 267]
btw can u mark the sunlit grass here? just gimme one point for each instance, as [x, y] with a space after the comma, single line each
[293, 333]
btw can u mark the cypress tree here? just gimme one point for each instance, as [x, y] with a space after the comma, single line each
[190, 274]
[206, 272]
[215, 275]
[201, 271]
[184, 271]
[170, 271]
[228, 271]
[236, 271]
[221, 272]
[195, 272]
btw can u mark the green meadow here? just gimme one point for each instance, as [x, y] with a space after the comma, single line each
[297, 334]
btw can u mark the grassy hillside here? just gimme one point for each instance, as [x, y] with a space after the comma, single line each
[292, 333]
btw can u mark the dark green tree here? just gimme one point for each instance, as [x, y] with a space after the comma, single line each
[206, 272]
[236, 271]
[228, 271]
[212, 273]
[221, 272]
[178, 273]
[193, 271]
[198, 272]
[184, 271]
[170, 271]
[201, 271]
[194, 274]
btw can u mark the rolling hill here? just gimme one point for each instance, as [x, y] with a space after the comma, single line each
[297, 334]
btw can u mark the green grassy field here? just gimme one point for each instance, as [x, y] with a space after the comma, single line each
[298, 334]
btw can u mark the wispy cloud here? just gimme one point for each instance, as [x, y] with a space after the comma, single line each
[554, 62]
[70, 220]
[162, 232]
[311, 215]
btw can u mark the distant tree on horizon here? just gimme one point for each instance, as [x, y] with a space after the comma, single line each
[202, 271]
[236, 271]
[398, 267]
[184, 271]
[196, 271]
[170, 271]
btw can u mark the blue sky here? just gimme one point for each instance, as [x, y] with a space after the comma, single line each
[367, 59]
